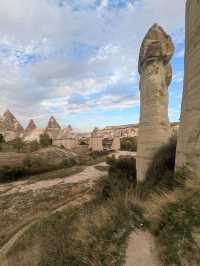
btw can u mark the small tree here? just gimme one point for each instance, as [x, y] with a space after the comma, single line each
[129, 144]
[45, 140]
[18, 144]
[2, 139]
[34, 145]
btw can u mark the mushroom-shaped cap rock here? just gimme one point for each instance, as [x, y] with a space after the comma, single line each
[156, 44]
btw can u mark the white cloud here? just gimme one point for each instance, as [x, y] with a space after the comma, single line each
[39, 69]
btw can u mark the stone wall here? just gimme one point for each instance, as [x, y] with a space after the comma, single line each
[188, 148]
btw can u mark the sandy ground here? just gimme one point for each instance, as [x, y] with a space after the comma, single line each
[89, 174]
[141, 250]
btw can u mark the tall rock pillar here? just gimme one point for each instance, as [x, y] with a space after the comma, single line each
[155, 76]
[188, 148]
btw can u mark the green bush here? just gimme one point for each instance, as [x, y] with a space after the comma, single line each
[45, 140]
[163, 164]
[33, 146]
[10, 173]
[129, 144]
[121, 175]
[66, 163]
[18, 144]
[2, 139]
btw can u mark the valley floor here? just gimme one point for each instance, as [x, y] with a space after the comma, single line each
[23, 203]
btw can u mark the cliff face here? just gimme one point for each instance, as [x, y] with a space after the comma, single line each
[188, 147]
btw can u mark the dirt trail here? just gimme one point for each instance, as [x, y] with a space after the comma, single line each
[141, 250]
[88, 176]
[90, 173]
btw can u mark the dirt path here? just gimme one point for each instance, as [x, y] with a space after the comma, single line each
[90, 173]
[141, 250]
[87, 178]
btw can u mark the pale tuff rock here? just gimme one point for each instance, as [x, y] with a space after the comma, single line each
[34, 134]
[31, 126]
[116, 144]
[10, 127]
[96, 140]
[11, 123]
[53, 128]
[188, 147]
[66, 138]
[155, 77]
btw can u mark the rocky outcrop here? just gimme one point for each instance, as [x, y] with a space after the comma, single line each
[31, 126]
[66, 138]
[188, 147]
[53, 128]
[155, 77]
[10, 127]
[34, 134]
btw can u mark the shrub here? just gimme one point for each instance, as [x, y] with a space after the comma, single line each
[33, 146]
[10, 173]
[18, 144]
[2, 139]
[129, 144]
[66, 163]
[162, 168]
[121, 175]
[45, 140]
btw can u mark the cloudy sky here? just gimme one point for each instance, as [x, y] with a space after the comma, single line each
[77, 59]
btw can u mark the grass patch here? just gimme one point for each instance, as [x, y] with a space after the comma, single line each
[174, 231]
[91, 235]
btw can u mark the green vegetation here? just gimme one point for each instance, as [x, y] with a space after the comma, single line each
[2, 140]
[121, 175]
[129, 144]
[91, 235]
[32, 165]
[178, 231]
[18, 144]
[163, 163]
[45, 140]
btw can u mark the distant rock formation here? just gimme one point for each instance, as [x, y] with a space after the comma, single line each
[32, 132]
[10, 127]
[53, 128]
[31, 126]
[155, 76]
[188, 147]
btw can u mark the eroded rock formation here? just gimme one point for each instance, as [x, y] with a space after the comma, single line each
[10, 127]
[31, 126]
[53, 128]
[188, 148]
[155, 76]
[66, 138]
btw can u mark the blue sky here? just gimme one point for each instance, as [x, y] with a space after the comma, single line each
[77, 60]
